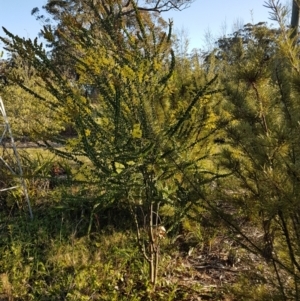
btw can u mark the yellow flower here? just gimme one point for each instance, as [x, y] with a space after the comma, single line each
[87, 132]
[137, 132]
[119, 167]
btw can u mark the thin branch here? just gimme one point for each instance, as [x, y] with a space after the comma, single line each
[159, 7]
[138, 234]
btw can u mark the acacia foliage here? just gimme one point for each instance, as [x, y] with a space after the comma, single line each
[140, 128]
[140, 135]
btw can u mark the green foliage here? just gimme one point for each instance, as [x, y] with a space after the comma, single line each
[30, 119]
[51, 258]
[204, 145]
[262, 109]
[141, 126]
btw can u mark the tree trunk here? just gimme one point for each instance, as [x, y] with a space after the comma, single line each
[295, 18]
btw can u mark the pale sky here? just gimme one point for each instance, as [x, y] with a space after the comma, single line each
[215, 16]
[202, 16]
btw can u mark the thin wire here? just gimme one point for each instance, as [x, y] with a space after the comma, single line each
[8, 129]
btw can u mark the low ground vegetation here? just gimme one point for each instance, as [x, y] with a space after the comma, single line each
[76, 249]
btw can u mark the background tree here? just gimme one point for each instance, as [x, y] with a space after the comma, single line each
[29, 118]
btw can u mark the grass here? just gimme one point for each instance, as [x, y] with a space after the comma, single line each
[76, 249]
